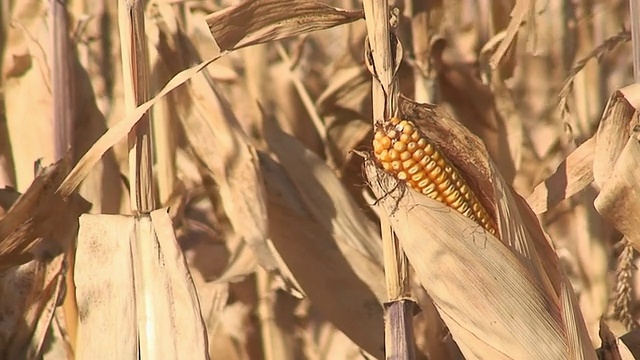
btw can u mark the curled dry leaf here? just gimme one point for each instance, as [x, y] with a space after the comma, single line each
[619, 196]
[615, 165]
[39, 214]
[33, 235]
[572, 175]
[614, 131]
[595, 159]
[260, 21]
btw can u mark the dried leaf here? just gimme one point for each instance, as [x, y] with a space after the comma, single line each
[27, 90]
[322, 193]
[620, 196]
[30, 294]
[121, 129]
[482, 290]
[615, 165]
[520, 268]
[39, 213]
[104, 270]
[521, 10]
[571, 176]
[345, 286]
[226, 152]
[260, 21]
[614, 131]
[153, 286]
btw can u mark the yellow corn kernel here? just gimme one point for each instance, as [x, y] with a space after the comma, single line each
[384, 156]
[436, 156]
[438, 175]
[418, 154]
[430, 166]
[424, 182]
[414, 171]
[447, 191]
[444, 185]
[455, 200]
[399, 146]
[408, 163]
[412, 146]
[429, 149]
[396, 165]
[385, 142]
[429, 189]
[419, 176]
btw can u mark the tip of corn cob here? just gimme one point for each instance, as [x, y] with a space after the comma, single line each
[402, 150]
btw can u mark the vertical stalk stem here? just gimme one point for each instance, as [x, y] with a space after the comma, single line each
[135, 60]
[382, 62]
[634, 12]
[63, 119]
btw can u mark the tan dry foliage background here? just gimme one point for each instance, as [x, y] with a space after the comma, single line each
[253, 168]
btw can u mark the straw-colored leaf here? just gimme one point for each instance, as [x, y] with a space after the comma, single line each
[27, 91]
[345, 285]
[38, 213]
[104, 270]
[572, 175]
[226, 153]
[122, 128]
[30, 294]
[255, 22]
[323, 193]
[620, 195]
[148, 280]
[616, 163]
[614, 131]
[33, 235]
[493, 305]
[521, 10]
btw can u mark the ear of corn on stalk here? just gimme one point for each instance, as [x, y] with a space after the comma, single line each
[401, 149]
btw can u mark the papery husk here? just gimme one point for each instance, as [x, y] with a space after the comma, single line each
[500, 297]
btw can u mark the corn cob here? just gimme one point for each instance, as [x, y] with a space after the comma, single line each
[402, 150]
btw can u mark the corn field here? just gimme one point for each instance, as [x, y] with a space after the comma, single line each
[336, 179]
